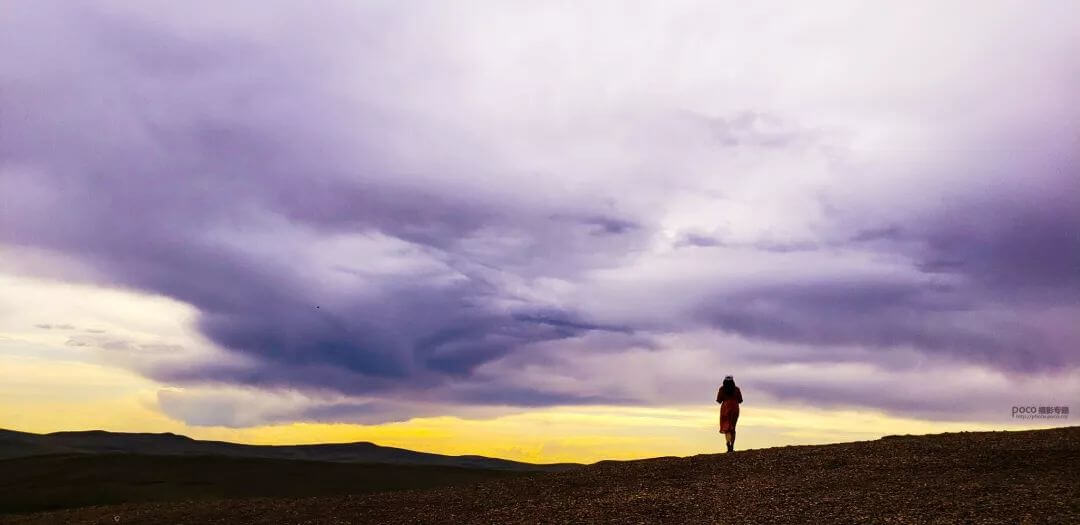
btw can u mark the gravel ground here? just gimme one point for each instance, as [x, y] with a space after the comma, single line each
[968, 477]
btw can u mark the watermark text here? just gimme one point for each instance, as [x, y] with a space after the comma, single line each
[1040, 412]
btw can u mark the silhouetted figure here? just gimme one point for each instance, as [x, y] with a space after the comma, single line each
[729, 396]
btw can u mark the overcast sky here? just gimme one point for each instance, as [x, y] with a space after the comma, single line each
[374, 211]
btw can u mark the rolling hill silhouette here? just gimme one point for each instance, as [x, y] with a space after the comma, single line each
[15, 444]
[966, 477]
[71, 469]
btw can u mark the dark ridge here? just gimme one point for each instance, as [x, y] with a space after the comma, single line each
[968, 477]
[15, 444]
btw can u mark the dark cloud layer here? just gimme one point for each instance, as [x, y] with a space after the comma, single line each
[357, 201]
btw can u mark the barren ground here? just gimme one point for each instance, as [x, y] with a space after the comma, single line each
[976, 477]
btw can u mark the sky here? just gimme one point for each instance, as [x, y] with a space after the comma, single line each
[538, 230]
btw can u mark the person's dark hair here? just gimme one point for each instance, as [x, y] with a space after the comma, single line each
[729, 386]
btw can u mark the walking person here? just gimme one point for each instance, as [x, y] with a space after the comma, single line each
[729, 396]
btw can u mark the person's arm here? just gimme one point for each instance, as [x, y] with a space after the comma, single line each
[720, 395]
[738, 394]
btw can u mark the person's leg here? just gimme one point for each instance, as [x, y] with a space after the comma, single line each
[733, 439]
[729, 440]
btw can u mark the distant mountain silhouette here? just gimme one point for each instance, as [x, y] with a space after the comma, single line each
[14, 444]
[964, 477]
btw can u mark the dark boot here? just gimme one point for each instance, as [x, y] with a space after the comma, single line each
[731, 447]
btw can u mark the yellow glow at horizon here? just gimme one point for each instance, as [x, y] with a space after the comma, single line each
[46, 386]
[39, 395]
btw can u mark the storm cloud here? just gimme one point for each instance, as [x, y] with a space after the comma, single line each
[407, 205]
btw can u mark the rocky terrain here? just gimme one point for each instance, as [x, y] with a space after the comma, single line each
[978, 477]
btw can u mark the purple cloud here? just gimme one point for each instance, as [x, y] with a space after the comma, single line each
[395, 203]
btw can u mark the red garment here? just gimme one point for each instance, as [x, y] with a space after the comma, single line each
[729, 409]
